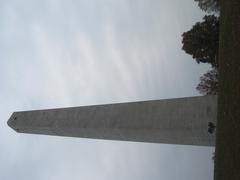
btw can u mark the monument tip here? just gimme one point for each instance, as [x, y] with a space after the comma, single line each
[12, 122]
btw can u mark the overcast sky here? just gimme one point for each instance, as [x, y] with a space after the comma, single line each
[56, 53]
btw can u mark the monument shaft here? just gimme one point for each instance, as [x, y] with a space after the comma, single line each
[173, 121]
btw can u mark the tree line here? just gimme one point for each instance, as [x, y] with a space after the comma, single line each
[202, 42]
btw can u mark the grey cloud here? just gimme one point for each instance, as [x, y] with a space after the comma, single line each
[57, 53]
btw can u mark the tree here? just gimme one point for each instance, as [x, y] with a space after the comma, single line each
[209, 5]
[209, 83]
[202, 40]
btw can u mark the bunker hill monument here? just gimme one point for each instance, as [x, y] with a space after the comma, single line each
[172, 121]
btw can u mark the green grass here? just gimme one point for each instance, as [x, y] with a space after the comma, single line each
[227, 162]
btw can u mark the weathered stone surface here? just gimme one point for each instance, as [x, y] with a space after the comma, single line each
[172, 121]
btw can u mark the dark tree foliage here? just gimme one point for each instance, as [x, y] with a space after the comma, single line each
[209, 83]
[209, 5]
[202, 40]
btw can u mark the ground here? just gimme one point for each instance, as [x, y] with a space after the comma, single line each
[227, 157]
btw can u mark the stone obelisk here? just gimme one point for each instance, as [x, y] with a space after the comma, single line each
[173, 121]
